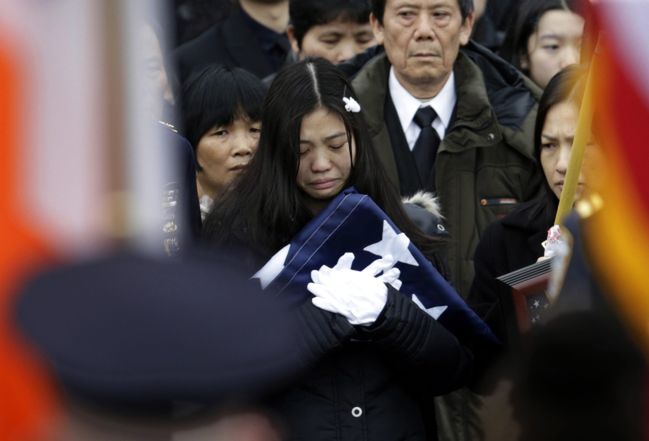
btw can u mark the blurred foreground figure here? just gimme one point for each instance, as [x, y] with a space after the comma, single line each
[581, 378]
[147, 349]
[180, 223]
[582, 374]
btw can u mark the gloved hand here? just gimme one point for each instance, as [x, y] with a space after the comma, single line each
[359, 296]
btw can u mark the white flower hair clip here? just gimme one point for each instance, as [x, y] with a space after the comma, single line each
[351, 105]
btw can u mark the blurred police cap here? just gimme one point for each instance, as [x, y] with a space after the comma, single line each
[143, 333]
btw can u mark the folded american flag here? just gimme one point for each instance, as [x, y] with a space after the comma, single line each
[352, 222]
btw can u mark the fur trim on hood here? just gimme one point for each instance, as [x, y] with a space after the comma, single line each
[424, 211]
[427, 201]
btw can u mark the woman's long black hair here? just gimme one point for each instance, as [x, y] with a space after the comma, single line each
[265, 208]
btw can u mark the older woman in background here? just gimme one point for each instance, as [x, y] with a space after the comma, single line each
[222, 113]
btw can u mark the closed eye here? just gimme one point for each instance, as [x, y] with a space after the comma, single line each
[304, 148]
[551, 47]
[364, 38]
[331, 40]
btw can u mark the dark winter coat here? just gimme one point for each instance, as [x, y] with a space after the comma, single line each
[230, 43]
[485, 163]
[387, 374]
[484, 167]
[507, 245]
[372, 383]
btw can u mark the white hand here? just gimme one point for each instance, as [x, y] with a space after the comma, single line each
[360, 296]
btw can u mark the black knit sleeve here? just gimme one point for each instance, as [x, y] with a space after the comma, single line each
[420, 345]
[320, 332]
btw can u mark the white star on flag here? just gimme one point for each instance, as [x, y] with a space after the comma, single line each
[435, 312]
[272, 268]
[393, 244]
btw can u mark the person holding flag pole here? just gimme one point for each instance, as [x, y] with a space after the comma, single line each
[382, 332]
[568, 154]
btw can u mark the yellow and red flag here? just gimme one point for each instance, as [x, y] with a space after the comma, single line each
[619, 236]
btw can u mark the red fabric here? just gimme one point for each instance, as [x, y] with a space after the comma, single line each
[26, 398]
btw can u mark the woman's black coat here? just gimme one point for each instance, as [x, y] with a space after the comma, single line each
[367, 383]
[372, 383]
[506, 245]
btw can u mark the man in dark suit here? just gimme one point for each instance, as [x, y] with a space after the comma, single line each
[252, 37]
[474, 113]
[447, 116]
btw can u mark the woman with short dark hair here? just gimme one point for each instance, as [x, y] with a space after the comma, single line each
[222, 113]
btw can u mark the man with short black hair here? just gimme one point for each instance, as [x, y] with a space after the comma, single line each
[451, 120]
[446, 115]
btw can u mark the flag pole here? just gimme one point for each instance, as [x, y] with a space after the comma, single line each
[582, 135]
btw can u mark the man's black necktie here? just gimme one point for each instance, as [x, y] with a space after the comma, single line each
[425, 149]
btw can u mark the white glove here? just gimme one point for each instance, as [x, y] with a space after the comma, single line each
[359, 296]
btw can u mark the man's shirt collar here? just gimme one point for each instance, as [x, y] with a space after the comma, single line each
[406, 104]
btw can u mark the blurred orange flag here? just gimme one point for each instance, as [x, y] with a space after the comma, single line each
[619, 237]
[26, 399]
